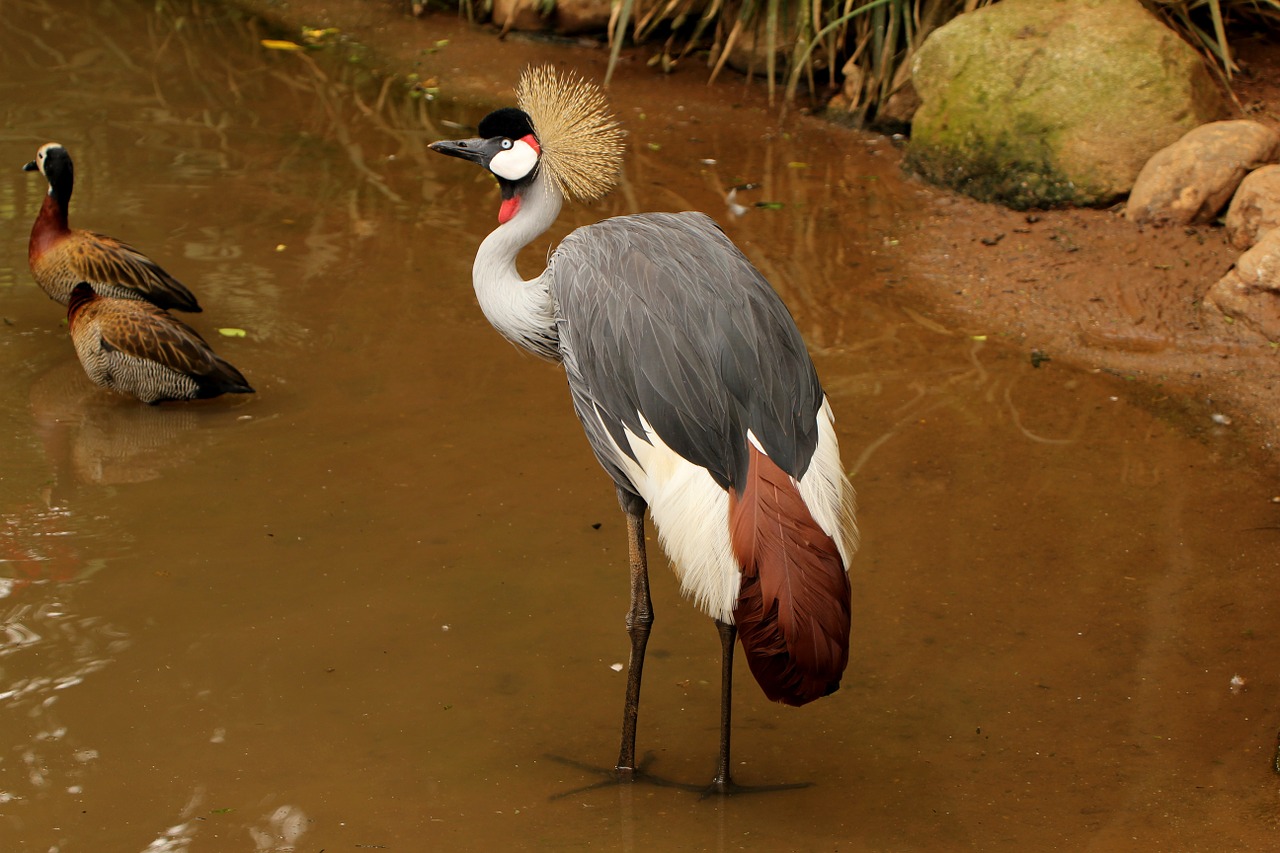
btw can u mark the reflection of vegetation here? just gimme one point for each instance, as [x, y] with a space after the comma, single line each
[264, 168]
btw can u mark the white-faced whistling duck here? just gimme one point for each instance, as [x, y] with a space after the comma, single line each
[61, 256]
[137, 348]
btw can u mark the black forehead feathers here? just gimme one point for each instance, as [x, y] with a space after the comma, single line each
[57, 154]
[509, 122]
[57, 161]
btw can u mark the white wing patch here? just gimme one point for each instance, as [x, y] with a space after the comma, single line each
[827, 491]
[691, 513]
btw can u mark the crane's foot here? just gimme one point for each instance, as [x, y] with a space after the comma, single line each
[724, 786]
[611, 777]
[619, 776]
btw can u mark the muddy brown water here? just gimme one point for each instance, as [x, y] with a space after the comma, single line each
[376, 605]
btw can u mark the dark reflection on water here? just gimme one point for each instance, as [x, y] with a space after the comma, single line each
[369, 604]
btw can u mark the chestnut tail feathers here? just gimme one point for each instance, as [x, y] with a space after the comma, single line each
[793, 608]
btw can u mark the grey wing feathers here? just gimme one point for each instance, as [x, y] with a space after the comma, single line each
[661, 315]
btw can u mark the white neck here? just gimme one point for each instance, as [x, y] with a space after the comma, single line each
[522, 311]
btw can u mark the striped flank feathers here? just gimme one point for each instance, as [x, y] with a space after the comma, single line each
[136, 348]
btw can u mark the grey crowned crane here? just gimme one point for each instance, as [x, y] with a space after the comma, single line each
[695, 391]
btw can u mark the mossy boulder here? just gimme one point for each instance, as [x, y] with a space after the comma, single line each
[1041, 103]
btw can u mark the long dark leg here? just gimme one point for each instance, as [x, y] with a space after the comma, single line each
[728, 636]
[639, 619]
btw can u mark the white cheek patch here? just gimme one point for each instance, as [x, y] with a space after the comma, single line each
[516, 162]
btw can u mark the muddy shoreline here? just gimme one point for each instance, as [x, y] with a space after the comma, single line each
[1079, 287]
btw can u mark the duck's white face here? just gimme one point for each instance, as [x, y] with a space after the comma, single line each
[43, 155]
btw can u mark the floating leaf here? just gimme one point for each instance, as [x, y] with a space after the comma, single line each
[232, 333]
[770, 205]
[279, 44]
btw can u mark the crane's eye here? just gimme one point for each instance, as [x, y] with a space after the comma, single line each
[506, 144]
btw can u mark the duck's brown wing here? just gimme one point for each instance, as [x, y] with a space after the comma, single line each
[110, 264]
[144, 331]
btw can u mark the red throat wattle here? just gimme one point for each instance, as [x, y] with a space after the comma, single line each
[508, 209]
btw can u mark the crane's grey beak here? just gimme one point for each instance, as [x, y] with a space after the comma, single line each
[476, 150]
[30, 167]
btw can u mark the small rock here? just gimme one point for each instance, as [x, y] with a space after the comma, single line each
[1260, 266]
[899, 108]
[1250, 291]
[574, 17]
[896, 111]
[1192, 179]
[750, 52]
[522, 15]
[1255, 208]
[854, 79]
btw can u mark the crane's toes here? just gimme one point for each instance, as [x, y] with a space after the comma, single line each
[725, 786]
[610, 777]
[721, 786]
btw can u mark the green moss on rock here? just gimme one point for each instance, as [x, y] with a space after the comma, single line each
[1035, 103]
[998, 172]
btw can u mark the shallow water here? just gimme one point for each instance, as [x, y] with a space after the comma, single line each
[375, 605]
